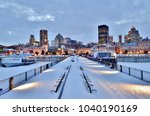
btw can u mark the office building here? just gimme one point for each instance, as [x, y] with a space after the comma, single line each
[103, 33]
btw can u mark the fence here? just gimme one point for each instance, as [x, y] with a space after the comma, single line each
[50, 58]
[14, 81]
[140, 74]
[133, 58]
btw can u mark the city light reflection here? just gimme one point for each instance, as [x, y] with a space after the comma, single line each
[49, 70]
[27, 86]
[137, 89]
[108, 72]
[96, 66]
[105, 71]
[91, 63]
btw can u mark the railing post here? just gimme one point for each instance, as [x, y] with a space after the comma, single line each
[129, 71]
[141, 75]
[120, 68]
[11, 83]
[47, 66]
[26, 76]
[35, 72]
[41, 69]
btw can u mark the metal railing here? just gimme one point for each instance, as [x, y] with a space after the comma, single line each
[140, 74]
[133, 58]
[50, 58]
[16, 80]
[137, 55]
[137, 73]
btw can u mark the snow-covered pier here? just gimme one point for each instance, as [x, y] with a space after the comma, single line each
[107, 83]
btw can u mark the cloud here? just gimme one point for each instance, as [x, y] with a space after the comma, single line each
[122, 21]
[140, 17]
[9, 32]
[61, 12]
[136, 2]
[27, 12]
[39, 18]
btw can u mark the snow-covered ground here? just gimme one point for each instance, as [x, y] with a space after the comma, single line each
[109, 84]
[142, 66]
[6, 72]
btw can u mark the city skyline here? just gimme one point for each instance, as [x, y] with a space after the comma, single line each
[75, 19]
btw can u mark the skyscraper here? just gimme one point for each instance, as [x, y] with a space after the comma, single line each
[120, 39]
[43, 37]
[110, 39]
[103, 33]
[44, 40]
[59, 40]
[31, 40]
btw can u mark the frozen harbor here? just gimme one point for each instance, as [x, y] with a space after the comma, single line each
[106, 83]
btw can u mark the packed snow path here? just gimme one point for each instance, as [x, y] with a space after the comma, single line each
[108, 83]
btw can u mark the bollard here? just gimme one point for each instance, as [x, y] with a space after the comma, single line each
[41, 69]
[26, 76]
[141, 75]
[47, 66]
[35, 72]
[129, 71]
[11, 83]
[120, 68]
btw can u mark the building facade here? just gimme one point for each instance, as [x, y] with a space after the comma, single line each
[32, 41]
[132, 36]
[103, 34]
[110, 40]
[58, 40]
[120, 39]
[43, 37]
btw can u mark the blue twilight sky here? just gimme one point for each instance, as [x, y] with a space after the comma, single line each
[77, 19]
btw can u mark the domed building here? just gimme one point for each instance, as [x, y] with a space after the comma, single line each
[133, 36]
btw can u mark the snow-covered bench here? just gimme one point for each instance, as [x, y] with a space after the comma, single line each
[89, 83]
[58, 83]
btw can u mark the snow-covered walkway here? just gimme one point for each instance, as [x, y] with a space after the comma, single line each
[107, 82]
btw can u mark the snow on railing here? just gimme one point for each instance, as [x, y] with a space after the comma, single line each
[88, 82]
